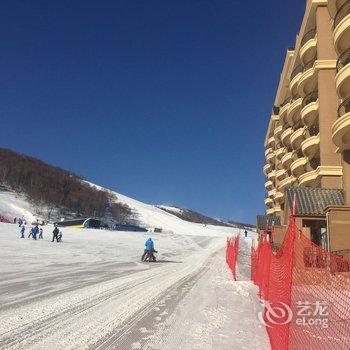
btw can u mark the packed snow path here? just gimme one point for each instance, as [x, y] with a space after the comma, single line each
[206, 311]
[91, 292]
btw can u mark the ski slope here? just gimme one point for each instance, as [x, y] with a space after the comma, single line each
[13, 205]
[92, 292]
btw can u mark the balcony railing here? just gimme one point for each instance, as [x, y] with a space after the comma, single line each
[342, 13]
[312, 97]
[343, 60]
[344, 108]
[296, 71]
[308, 36]
[308, 65]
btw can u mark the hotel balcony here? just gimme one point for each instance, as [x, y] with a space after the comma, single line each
[308, 45]
[280, 174]
[271, 175]
[287, 182]
[280, 152]
[270, 211]
[285, 137]
[334, 6]
[313, 177]
[307, 81]
[309, 112]
[271, 141]
[294, 78]
[308, 179]
[341, 127]
[297, 167]
[268, 202]
[274, 210]
[284, 109]
[279, 197]
[342, 79]
[311, 145]
[266, 168]
[297, 137]
[277, 132]
[268, 151]
[268, 185]
[293, 115]
[271, 193]
[287, 160]
[341, 33]
[271, 158]
[277, 209]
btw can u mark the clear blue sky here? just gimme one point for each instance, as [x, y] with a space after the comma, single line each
[164, 101]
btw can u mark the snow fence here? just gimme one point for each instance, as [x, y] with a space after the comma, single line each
[232, 254]
[306, 291]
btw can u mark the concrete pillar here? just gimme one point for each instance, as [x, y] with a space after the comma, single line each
[328, 98]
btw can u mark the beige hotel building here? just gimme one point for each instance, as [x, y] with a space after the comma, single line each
[307, 145]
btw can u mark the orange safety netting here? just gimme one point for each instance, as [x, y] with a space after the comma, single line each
[232, 254]
[306, 291]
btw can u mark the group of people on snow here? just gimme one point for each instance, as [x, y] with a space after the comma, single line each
[38, 231]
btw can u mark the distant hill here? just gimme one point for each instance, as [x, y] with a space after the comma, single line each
[192, 216]
[55, 192]
[242, 225]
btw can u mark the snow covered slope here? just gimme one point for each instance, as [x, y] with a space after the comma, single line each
[151, 216]
[92, 292]
[14, 205]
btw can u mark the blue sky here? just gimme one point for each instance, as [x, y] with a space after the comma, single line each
[164, 101]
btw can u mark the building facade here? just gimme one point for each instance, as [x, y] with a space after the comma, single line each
[307, 143]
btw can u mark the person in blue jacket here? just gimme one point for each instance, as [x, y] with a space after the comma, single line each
[35, 231]
[22, 230]
[149, 250]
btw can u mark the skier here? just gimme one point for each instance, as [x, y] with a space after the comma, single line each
[35, 231]
[149, 250]
[41, 233]
[30, 232]
[245, 233]
[55, 234]
[22, 229]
